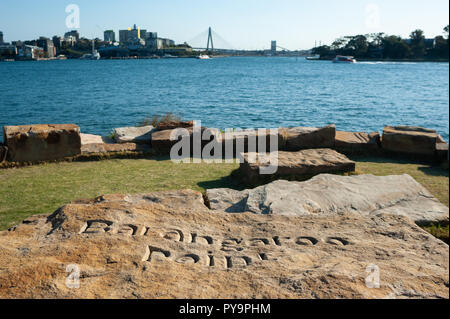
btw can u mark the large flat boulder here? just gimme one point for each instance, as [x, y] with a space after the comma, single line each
[3, 153]
[300, 138]
[42, 142]
[90, 139]
[328, 195]
[298, 165]
[138, 135]
[170, 245]
[357, 143]
[410, 140]
[171, 125]
[96, 148]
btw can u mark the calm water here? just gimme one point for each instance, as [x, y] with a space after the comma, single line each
[228, 92]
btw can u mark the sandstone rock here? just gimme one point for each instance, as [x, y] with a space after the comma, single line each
[303, 164]
[409, 140]
[327, 195]
[3, 153]
[90, 139]
[42, 142]
[163, 141]
[300, 138]
[138, 135]
[169, 245]
[114, 148]
[235, 143]
[357, 143]
[442, 151]
[174, 125]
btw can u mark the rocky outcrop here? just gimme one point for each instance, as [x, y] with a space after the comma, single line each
[300, 138]
[42, 142]
[114, 148]
[171, 125]
[138, 135]
[90, 139]
[169, 245]
[410, 140]
[328, 195]
[358, 143]
[3, 153]
[297, 165]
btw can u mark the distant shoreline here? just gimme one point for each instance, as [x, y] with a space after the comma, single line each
[243, 56]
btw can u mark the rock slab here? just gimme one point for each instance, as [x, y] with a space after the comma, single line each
[357, 143]
[302, 164]
[169, 245]
[410, 140]
[300, 138]
[138, 135]
[42, 142]
[329, 195]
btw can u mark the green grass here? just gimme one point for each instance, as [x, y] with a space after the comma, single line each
[42, 189]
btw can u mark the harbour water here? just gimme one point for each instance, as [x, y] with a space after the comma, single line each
[226, 92]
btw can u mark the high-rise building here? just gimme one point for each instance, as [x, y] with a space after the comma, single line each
[273, 47]
[132, 36]
[1, 37]
[109, 36]
[72, 34]
[47, 45]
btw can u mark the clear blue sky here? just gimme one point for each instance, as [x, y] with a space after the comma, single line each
[247, 24]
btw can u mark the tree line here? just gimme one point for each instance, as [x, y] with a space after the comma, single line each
[383, 46]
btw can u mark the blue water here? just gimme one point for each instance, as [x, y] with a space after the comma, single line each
[227, 92]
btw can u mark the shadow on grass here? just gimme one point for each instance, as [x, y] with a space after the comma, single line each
[232, 181]
[434, 171]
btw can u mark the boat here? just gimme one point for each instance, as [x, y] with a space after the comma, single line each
[344, 59]
[203, 57]
[91, 56]
[313, 58]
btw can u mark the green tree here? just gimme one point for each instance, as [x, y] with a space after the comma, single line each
[418, 43]
[358, 46]
[395, 47]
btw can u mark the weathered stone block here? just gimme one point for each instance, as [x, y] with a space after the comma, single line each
[328, 195]
[409, 140]
[300, 138]
[297, 165]
[3, 153]
[357, 143]
[138, 135]
[42, 142]
[90, 139]
[174, 125]
[170, 245]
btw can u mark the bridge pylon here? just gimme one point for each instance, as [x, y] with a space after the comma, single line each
[210, 40]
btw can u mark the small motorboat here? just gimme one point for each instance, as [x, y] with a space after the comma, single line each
[203, 57]
[313, 58]
[344, 59]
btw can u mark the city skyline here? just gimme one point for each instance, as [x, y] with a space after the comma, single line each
[244, 24]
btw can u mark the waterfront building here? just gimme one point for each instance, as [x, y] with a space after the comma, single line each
[29, 52]
[47, 45]
[132, 36]
[74, 34]
[109, 36]
[1, 37]
[273, 47]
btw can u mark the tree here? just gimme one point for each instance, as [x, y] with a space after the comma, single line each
[446, 31]
[418, 43]
[358, 46]
[395, 47]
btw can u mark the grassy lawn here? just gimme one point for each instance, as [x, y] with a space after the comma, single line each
[42, 189]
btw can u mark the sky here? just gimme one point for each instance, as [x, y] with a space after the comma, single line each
[244, 24]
